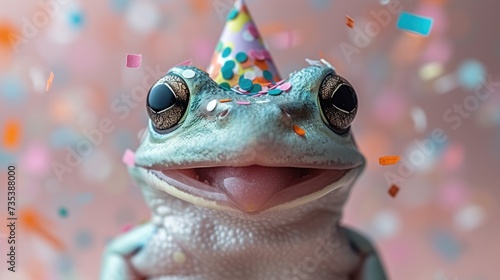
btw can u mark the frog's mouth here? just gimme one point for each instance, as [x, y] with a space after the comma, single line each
[251, 188]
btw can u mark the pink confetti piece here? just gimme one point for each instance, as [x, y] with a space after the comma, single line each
[243, 102]
[134, 60]
[257, 54]
[188, 62]
[266, 54]
[129, 158]
[253, 30]
[286, 86]
[126, 228]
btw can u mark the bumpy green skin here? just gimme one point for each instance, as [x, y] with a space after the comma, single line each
[203, 139]
[186, 240]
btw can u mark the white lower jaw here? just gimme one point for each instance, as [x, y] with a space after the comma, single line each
[153, 180]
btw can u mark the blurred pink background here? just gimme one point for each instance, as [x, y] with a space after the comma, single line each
[443, 224]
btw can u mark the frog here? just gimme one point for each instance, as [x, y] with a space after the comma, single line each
[246, 186]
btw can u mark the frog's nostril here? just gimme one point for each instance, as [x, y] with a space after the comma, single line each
[222, 115]
[287, 118]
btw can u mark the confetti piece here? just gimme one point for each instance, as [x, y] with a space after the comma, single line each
[300, 131]
[313, 62]
[393, 190]
[285, 86]
[256, 88]
[389, 160]
[431, 71]
[12, 134]
[226, 52]
[246, 84]
[325, 62]
[469, 217]
[185, 63]
[471, 73]
[247, 36]
[63, 212]
[129, 158]
[415, 23]
[243, 102]
[134, 60]
[419, 119]
[232, 14]
[445, 84]
[275, 91]
[230, 64]
[268, 75]
[211, 105]
[241, 57]
[225, 100]
[253, 30]
[257, 54]
[188, 74]
[263, 101]
[349, 21]
[250, 75]
[33, 223]
[225, 85]
[49, 81]
[126, 228]
[227, 73]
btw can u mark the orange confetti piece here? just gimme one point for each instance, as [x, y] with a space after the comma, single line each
[34, 223]
[349, 21]
[225, 100]
[49, 81]
[262, 64]
[12, 134]
[299, 130]
[389, 160]
[247, 64]
[7, 34]
[393, 191]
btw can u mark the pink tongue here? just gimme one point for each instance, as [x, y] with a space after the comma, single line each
[250, 187]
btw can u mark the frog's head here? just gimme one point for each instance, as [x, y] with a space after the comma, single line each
[206, 146]
[250, 148]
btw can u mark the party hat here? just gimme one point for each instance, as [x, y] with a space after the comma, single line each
[240, 57]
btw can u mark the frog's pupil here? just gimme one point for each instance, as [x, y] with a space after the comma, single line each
[160, 98]
[345, 98]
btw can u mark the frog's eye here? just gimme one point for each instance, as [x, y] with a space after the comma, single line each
[338, 102]
[167, 101]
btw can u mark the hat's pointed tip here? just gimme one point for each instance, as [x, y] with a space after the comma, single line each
[241, 50]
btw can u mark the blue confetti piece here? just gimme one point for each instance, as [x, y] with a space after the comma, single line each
[85, 198]
[415, 23]
[321, 4]
[446, 244]
[12, 89]
[76, 19]
[63, 136]
[6, 159]
[64, 263]
[123, 139]
[119, 5]
[84, 239]
[471, 74]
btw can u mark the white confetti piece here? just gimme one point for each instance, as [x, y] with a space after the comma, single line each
[211, 105]
[188, 74]
[469, 217]
[419, 119]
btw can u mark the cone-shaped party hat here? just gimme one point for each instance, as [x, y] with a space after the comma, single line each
[240, 55]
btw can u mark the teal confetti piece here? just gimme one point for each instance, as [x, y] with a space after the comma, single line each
[415, 23]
